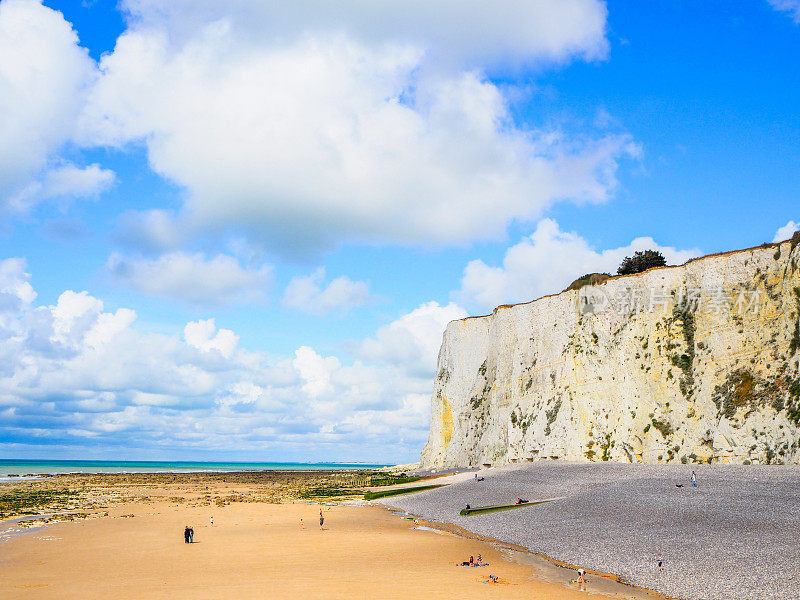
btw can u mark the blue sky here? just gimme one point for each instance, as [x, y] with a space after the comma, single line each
[237, 230]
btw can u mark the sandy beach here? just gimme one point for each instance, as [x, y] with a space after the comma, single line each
[132, 547]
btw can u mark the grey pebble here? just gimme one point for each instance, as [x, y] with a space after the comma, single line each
[734, 537]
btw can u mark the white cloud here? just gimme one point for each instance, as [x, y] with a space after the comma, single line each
[15, 289]
[44, 79]
[152, 231]
[66, 181]
[243, 392]
[785, 232]
[192, 278]
[304, 134]
[74, 372]
[70, 180]
[546, 262]
[790, 6]
[306, 293]
[315, 370]
[200, 335]
[108, 326]
[73, 316]
[463, 32]
[412, 342]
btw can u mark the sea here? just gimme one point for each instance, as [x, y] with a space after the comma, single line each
[24, 468]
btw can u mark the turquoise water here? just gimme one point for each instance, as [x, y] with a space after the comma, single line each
[26, 467]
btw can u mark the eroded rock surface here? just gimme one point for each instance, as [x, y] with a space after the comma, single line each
[695, 363]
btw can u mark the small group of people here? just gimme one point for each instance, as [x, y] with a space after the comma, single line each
[582, 572]
[188, 532]
[472, 562]
[478, 562]
[321, 521]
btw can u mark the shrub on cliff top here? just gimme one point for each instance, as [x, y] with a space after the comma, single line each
[641, 261]
[588, 279]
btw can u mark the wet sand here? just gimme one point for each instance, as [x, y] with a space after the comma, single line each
[257, 550]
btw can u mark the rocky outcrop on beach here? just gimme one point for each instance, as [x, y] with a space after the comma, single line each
[693, 363]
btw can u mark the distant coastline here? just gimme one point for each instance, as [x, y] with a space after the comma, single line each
[21, 468]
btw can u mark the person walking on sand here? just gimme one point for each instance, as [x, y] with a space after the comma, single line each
[301, 523]
[212, 520]
[581, 573]
[694, 479]
[186, 535]
[660, 563]
[321, 519]
[191, 535]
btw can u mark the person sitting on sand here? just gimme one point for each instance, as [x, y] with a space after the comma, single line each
[492, 579]
[479, 561]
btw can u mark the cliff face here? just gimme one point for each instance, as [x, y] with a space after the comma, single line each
[696, 363]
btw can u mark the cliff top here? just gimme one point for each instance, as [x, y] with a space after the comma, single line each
[794, 241]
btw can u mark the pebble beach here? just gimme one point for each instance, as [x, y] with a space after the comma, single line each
[733, 537]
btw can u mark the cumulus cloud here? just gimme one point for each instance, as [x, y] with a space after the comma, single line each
[192, 278]
[465, 32]
[201, 335]
[412, 341]
[66, 181]
[309, 294]
[305, 127]
[76, 375]
[790, 6]
[546, 262]
[45, 76]
[785, 232]
[15, 289]
[315, 370]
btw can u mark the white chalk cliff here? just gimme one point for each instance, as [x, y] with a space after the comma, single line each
[694, 363]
